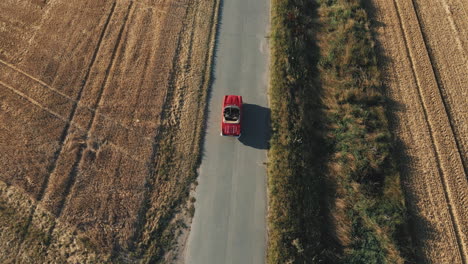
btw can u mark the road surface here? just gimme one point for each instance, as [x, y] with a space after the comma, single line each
[229, 225]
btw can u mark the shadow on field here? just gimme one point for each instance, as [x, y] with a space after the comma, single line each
[418, 228]
[255, 126]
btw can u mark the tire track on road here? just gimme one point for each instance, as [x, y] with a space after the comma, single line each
[456, 222]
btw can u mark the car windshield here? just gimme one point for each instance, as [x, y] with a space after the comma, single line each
[231, 113]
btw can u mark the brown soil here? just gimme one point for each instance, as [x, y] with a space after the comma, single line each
[101, 105]
[423, 49]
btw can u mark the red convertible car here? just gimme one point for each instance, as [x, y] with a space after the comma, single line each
[232, 113]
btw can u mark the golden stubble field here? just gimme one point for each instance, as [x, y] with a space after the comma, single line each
[101, 108]
[424, 51]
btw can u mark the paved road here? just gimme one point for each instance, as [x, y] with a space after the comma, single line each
[229, 223]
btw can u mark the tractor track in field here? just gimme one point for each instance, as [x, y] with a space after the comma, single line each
[453, 24]
[441, 90]
[105, 117]
[79, 158]
[65, 132]
[455, 218]
[34, 102]
[464, 6]
[436, 177]
[67, 121]
[80, 92]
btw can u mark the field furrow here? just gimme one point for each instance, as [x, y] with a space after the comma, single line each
[26, 154]
[35, 103]
[432, 160]
[456, 14]
[74, 169]
[158, 151]
[458, 9]
[12, 67]
[450, 65]
[62, 105]
[30, 88]
[75, 139]
[74, 125]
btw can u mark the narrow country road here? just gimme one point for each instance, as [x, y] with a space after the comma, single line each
[229, 225]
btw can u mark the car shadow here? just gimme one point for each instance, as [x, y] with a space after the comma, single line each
[255, 126]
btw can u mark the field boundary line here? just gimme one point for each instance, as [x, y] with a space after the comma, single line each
[35, 79]
[73, 124]
[34, 102]
[78, 103]
[453, 214]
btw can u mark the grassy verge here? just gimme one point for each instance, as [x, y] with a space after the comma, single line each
[334, 191]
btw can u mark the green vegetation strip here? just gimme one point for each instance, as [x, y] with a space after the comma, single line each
[334, 190]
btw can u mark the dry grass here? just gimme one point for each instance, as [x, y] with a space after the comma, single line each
[96, 100]
[334, 191]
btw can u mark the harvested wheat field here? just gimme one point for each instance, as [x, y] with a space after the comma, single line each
[101, 105]
[424, 52]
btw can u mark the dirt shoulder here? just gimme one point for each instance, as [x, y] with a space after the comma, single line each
[423, 82]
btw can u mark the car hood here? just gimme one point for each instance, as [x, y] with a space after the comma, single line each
[233, 100]
[231, 129]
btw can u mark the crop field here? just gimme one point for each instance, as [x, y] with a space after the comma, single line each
[101, 109]
[424, 52]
